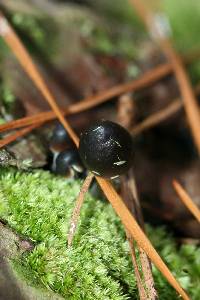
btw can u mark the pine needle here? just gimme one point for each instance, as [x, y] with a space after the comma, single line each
[137, 233]
[77, 208]
[92, 101]
[186, 199]
[189, 101]
[11, 138]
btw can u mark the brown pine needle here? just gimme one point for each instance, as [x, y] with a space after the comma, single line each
[185, 198]
[157, 117]
[116, 201]
[148, 123]
[27, 121]
[24, 58]
[77, 208]
[189, 101]
[11, 138]
[137, 233]
[92, 101]
[161, 115]
[132, 202]
[141, 289]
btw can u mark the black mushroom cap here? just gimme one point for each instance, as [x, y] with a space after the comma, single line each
[106, 149]
[60, 139]
[66, 160]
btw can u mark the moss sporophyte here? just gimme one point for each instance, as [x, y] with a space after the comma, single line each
[38, 205]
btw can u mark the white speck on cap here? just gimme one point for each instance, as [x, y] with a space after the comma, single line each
[97, 173]
[114, 177]
[119, 163]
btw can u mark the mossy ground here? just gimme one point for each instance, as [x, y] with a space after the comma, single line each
[98, 266]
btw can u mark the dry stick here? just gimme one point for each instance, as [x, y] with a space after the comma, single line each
[11, 138]
[116, 201]
[77, 208]
[92, 101]
[189, 101]
[185, 198]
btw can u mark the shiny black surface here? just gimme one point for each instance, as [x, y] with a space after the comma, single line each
[66, 160]
[106, 149]
[60, 139]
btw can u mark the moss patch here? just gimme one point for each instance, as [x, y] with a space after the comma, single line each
[39, 205]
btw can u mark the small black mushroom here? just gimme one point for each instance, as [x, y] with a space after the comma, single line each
[106, 149]
[60, 139]
[68, 162]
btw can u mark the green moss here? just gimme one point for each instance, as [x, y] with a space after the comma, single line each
[37, 33]
[7, 97]
[98, 266]
[184, 17]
